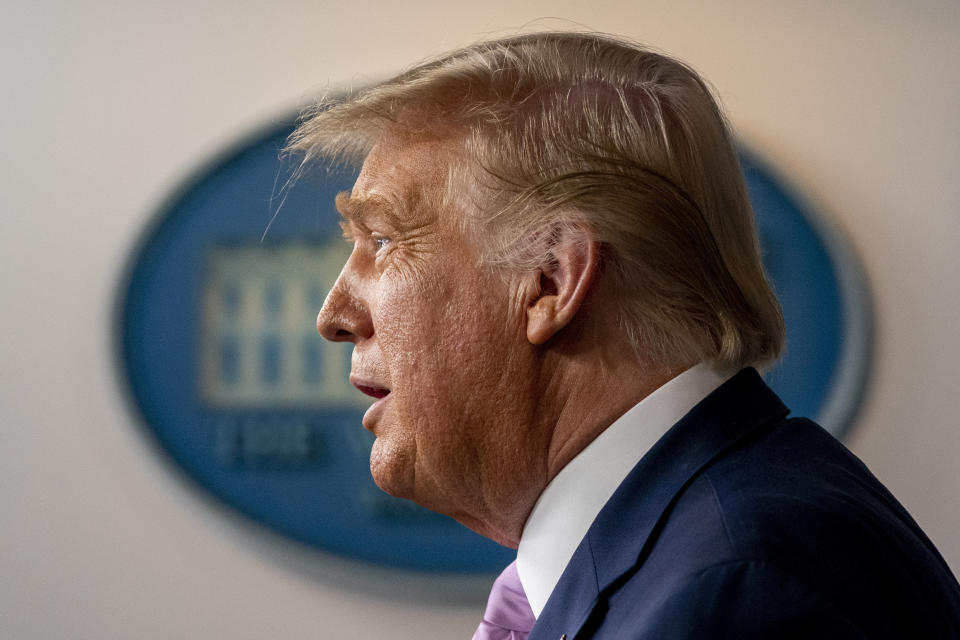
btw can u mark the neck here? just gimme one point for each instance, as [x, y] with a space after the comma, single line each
[581, 391]
[593, 402]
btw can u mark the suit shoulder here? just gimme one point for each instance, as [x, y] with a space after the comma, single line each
[742, 600]
[795, 499]
[793, 481]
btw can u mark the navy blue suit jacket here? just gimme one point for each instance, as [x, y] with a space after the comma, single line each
[741, 523]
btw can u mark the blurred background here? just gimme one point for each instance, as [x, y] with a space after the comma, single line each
[108, 107]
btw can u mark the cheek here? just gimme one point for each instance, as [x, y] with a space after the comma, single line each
[409, 328]
[450, 344]
[414, 319]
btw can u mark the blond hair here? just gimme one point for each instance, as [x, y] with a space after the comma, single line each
[570, 129]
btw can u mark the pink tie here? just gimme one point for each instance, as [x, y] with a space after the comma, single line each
[508, 615]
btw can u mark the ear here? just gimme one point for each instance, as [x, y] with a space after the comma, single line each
[563, 284]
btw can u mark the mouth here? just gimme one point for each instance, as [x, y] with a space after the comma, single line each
[374, 412]
[374, 392]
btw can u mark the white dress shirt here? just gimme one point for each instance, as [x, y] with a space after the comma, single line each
[567, 507]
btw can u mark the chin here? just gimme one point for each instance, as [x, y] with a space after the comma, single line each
[388, 483]
[389, 471]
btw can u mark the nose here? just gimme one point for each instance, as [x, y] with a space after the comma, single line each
[345, 316]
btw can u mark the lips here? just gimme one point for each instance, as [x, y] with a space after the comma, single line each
[376, 392]
[370, 386]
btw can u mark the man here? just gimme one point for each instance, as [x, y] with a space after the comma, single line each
[555, 297]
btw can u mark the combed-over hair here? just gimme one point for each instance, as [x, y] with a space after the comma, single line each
[570, 129]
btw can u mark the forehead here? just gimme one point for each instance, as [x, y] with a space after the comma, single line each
[402, 178]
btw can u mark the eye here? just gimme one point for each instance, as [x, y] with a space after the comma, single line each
[381, 242]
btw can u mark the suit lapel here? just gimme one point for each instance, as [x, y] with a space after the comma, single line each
[617, 542]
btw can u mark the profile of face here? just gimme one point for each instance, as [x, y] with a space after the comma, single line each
[439, 341]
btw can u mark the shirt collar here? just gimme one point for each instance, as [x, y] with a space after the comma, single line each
[570, 502]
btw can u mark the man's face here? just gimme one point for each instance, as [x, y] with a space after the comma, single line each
[438, 338]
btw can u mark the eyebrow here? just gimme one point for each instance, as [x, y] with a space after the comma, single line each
[359, 210]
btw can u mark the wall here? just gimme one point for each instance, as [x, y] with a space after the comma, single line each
[106, 106]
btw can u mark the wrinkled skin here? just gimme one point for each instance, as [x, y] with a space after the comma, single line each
[445, 336]
[487, 385]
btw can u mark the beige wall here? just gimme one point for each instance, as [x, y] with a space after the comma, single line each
[106, 106]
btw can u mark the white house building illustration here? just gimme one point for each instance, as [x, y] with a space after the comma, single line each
[258, 345]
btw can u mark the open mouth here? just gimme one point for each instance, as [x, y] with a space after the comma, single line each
[373, 389]
[376, 392]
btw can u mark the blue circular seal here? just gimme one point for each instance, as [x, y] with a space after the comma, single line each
[217, 342]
